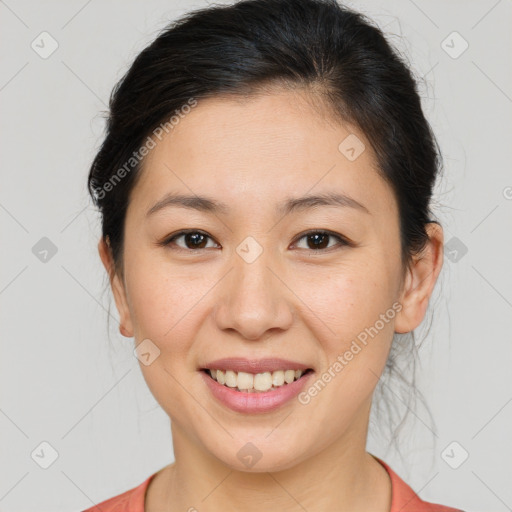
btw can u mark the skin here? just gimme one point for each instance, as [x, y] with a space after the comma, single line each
[293, 301]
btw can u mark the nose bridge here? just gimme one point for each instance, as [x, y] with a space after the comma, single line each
[253, 298]
[252, 270]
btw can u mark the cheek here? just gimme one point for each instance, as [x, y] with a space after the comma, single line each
[162, 299]
[165, 310]
[347, 298]
[353, 323]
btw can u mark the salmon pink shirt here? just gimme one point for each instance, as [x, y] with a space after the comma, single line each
[403, 498]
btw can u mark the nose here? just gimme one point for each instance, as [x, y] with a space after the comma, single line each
[254, 299]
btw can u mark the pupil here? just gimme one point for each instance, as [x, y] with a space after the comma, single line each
[315, 237]
[194, 237]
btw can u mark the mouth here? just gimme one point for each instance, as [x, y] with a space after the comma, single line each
[264, 382]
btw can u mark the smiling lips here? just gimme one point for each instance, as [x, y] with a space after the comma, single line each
[251, 401]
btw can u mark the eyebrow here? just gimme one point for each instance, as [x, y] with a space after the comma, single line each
[210, 205]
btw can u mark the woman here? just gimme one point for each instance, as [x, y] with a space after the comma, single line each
[264, 187]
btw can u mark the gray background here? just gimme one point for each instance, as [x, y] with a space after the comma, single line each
[64, 383]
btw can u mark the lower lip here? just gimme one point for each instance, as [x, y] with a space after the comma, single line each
[266, 401]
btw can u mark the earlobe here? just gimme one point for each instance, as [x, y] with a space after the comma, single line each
[420, 281]
[126, 333]
[118, 290]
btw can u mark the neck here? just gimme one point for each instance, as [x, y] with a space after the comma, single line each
[342, 476]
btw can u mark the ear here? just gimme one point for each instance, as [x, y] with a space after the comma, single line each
[118, 289]
[420, 280]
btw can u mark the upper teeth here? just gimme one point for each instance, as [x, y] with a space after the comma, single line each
[259, 382]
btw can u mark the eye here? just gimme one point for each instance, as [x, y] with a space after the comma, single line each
[316, 241]
[192, 239]
[319, 240]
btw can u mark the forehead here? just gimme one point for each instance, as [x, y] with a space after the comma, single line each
[264, 147]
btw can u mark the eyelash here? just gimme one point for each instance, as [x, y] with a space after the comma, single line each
[167, 242]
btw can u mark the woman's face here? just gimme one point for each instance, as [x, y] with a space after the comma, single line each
[255, 286]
